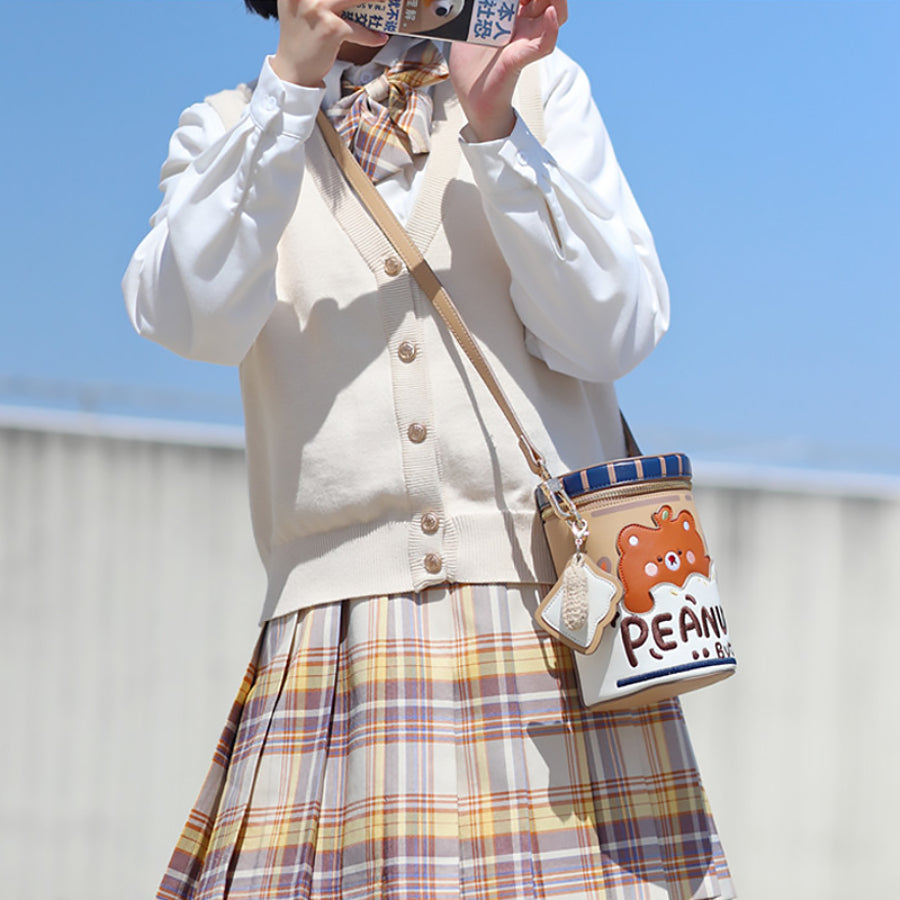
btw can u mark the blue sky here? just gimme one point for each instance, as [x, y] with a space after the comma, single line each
[761, 139]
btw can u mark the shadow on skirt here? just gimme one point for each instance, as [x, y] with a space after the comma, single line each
[433, 745]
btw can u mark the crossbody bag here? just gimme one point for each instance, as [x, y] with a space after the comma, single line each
[637, 596]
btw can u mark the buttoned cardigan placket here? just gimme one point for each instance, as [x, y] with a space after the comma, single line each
[432, 545]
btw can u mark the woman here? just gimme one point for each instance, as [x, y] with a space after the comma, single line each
[403, 729]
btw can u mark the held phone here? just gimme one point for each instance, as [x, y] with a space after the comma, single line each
[476, 21]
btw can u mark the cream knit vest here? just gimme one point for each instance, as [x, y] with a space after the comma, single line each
[378, 462]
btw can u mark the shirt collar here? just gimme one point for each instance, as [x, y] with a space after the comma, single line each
[396, 47]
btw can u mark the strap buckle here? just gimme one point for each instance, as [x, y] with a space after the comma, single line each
[564, 508]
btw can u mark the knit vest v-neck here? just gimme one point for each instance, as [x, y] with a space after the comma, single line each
[378, 462]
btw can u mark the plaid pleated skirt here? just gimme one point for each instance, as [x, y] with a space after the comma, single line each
[433, 746]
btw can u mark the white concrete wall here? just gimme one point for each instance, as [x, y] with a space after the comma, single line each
[798, 750]
[129, 590]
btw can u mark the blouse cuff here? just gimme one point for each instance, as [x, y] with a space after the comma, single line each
[282, 106]
[504, 163]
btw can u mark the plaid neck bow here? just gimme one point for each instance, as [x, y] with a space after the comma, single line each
[388, 121]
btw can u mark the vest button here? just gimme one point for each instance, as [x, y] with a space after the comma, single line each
[430, 523]
[433, 563]
[407, 351]
[417, 432]
[393, 266]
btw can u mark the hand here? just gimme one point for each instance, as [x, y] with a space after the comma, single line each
[486, 77]
[310, 35]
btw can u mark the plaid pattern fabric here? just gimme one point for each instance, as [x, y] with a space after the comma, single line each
[388, 121]
[432, 747]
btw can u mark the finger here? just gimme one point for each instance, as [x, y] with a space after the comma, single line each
[359, 34]
[532, 27]
[546, 32]
[551, 30]
[562, 11]
[533, 9]
[534, 38]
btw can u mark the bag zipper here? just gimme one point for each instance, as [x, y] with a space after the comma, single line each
[608, 495]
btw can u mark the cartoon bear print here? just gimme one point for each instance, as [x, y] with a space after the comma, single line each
[666, 553]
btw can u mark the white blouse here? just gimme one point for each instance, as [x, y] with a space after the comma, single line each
[578, 249]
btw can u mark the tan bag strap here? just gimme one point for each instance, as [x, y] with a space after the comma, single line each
[435, 291]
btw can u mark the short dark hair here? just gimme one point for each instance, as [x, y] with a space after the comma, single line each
[268, 9]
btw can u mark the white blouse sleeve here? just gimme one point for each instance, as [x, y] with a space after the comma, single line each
[586, 280]
[202, 282]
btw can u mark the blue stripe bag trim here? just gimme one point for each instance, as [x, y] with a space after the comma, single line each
[639, 469]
